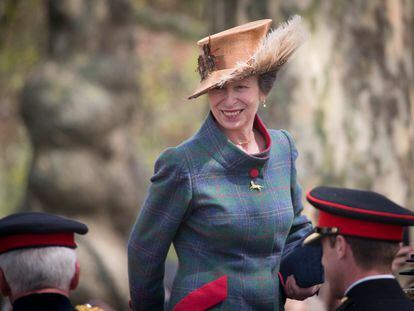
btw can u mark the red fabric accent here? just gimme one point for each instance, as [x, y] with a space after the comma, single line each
[359, 210]
[24, 240]
[361, 228]
[254, 172]
[259, 125]
[282, 281]
[204, 297]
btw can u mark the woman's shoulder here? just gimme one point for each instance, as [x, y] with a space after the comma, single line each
[176, 156]
[281, 135]
[171, 159]
[283, 142]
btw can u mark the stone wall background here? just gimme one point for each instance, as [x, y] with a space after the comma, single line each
[91, 92]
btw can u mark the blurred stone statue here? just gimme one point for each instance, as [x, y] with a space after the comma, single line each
[77, 105]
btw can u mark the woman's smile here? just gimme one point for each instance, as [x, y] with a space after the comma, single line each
[232, 114]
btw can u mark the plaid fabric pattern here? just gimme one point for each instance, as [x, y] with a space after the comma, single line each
[200, 201]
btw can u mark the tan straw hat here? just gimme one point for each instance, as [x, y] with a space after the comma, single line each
[246, 50]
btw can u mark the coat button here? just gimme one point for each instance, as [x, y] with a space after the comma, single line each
[254, 172]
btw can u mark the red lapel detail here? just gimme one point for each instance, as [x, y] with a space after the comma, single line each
[259, 125]
[282, 281]
[204, 297]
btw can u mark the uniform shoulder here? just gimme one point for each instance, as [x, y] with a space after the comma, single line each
[347, 304]
[87, 307]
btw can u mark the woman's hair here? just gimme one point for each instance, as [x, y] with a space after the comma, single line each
[36, 268]
[266, 81]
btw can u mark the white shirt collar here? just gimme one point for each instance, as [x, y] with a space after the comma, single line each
[369, 278]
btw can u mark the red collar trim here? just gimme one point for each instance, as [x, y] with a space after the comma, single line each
[356, 209]
[361, 228]
[259, 125]
[18, 241]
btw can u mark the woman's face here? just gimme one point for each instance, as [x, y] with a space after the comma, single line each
[234, 106]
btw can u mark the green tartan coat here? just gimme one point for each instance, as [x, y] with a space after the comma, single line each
[229, 238]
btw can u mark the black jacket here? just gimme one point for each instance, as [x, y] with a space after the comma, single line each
[43, 302]
[378, 295]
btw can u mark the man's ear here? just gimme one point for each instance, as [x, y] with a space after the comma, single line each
[75, 279]
[341, 246]
[4, 285]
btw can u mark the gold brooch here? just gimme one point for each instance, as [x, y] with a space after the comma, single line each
[254, 186]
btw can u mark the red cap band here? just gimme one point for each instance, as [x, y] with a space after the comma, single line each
[25, 240]
[361, 228]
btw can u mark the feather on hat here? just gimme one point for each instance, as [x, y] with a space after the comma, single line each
[246, 50]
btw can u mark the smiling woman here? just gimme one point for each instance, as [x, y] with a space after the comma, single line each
[234, 106]
[227, 198]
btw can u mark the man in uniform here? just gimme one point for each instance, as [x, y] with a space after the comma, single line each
[360, 233]
[38, 261]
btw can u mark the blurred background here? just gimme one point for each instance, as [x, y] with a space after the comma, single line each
[92, 91]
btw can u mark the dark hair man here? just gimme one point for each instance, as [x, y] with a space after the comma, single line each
[360, 233]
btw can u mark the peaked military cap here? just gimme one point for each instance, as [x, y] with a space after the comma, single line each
[358, 213]
[35, 229]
